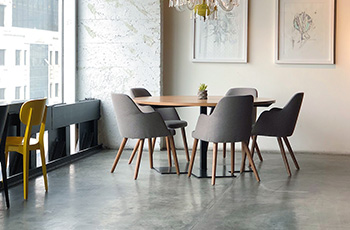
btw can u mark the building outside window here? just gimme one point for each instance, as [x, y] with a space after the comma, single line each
[32, 30]
[2, 93]
[25, 57]
[50, 90]
[18, 92]
[18, 57]
[24, 92]
[2, 15]
[51, 57]
[56, 57]
[56, 90]
[2, 57]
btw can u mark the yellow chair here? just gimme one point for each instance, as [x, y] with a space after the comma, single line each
[32, 113]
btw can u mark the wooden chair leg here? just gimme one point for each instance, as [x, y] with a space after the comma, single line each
[291, 152]
[185, 143]
[43, 166]
[122, 145]
[150, 151]
[171, 138]
[215, 156]
[280, 143]
[250, 158]
[224, 150]
[258, 152]
[134, 152]
[25, 173]
[253, 145]
[194, 149]
[232, 158]
[244, 156]
[154, 142]
[256, 147]
[139, 159]
[168, 149]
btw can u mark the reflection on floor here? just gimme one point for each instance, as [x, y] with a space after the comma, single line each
[85, 195]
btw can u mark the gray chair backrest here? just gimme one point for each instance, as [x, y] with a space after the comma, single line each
[279, 122]
[244, 91]
[139, 92]
[231, 121]
[167, 113]
[133, 123]
[291, 113]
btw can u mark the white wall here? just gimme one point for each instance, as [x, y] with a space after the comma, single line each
[119, 47]
[323, 124]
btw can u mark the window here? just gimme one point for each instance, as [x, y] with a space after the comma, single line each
[37, 26]
[2, 57]
[42, 15]
[2, 15]
[2, 93]
[25, 57]
[56, 90]
[25, 92]
[18, 57]
[50, 90]
[18, 92]
[56, 57]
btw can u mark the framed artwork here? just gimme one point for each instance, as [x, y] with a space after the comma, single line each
[305, 31]
[223, 39]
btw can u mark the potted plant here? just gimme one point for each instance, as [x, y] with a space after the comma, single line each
[202, 92]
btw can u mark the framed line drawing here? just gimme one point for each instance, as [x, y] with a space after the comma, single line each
[224, 39]
[305, 31]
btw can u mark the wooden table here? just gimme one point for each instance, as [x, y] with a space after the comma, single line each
[191, 101]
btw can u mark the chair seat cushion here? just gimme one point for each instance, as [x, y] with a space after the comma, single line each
[175, 124]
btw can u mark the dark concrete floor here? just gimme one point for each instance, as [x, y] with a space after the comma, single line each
[85, 195]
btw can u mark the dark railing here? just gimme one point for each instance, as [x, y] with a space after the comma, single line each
[83, 114]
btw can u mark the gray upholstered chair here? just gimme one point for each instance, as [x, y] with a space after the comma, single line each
[135, 124]
[230, 122]
[3, 135]
[169, 115]
[241, 92]
[280, 123]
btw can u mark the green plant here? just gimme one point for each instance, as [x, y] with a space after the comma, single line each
[202, 87]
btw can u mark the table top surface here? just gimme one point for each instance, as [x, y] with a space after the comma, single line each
[180, 101]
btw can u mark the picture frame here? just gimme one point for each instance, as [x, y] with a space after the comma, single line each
[305, 31]
[224, 39]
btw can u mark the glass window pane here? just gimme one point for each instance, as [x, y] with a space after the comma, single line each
[2, 93]
[25, 57]
[18, 57]
[2, 57]
[56, 90]
[18, 92]
[2, 15]
[37, 64]
[56, 57]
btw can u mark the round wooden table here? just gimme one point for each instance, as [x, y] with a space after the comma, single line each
[191, 101]
[183, 101]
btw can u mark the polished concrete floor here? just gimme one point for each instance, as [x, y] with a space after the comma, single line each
[85, 195]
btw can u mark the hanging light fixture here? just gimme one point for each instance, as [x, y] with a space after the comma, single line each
[207, 9]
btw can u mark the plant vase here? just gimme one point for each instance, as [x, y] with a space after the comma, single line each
[202, 94]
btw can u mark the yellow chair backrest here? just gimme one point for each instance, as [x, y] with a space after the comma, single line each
[36, 107]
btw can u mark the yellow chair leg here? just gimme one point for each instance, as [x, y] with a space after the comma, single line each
[25, 173]
[43, 165]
